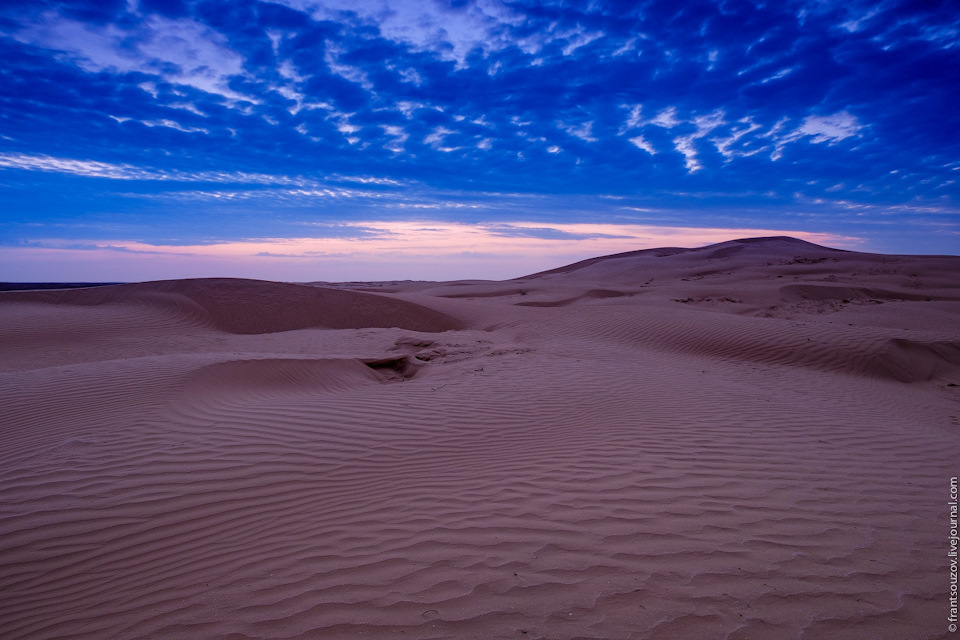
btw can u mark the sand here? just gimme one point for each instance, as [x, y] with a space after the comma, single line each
[748, 440]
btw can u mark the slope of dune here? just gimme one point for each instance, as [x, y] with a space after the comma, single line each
[752, 440]
[252, 306]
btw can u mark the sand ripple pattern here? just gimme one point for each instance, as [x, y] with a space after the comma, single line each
[288, 503]
[611, 468]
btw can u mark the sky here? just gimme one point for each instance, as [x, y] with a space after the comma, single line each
[336, 140]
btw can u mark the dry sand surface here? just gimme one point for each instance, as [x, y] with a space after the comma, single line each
[748, 440]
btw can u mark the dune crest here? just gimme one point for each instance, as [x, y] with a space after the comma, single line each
[254, 306]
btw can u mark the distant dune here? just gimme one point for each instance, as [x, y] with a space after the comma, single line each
[750, 440]
[25, 286]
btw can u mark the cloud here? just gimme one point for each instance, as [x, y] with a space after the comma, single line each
[642, 143]
[666, 118]
[634, 118]
[450, 32]
[584, 131]
[276, 195]
[348, 72]
[172, 124]
[779, 74]
[546, 233]
[461, 97]
[686, 144]
[859, 20]
[435, 138]
[180, 51]
[830, 129]
[833, 128]
[743, 138]
[725, 144]
[411, 75]
[412, 249]
[370, 180]
[115, 171]
[578, 37]
[87, 168]
[398, 138]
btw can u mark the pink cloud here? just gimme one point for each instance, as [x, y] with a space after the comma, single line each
[393, 250]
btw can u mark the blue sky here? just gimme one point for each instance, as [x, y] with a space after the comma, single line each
[388, 139]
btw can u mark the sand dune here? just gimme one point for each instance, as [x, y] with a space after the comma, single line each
[747, 440]
[253, 306]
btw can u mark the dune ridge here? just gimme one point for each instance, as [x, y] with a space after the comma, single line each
[749, 440]
[253, 306]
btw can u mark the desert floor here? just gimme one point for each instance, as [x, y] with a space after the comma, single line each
[748, 440]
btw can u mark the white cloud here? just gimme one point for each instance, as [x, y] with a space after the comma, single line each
[833, 128]
[344, 125]
[391, 249]
[370, 180]
[712, 57]
[116, 171]
[945, 35]
[262, 194]
[180, 51]
[740, 140]
[626, 47]
[345, 71]
[276, 37]
[151, 88]
[830, 129]
[686, 144]
[291, 90]
[774, 134]
[407, 107]
[411, 76]
[554, 149]
[642, 143]
[434, 205]
[667, 118]
[856, 22]
[577, 38]
[634, 118]
[87, 168]
[399, 138]
[292, 94]
[725, 145]
[290, 72]
[426, 25]
[187, 106]
[584, 131]
[450, 33]
[707, 123]
[779, 74]
[435, 139]
[172, 124]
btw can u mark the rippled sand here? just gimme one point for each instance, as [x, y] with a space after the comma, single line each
[748, 440]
